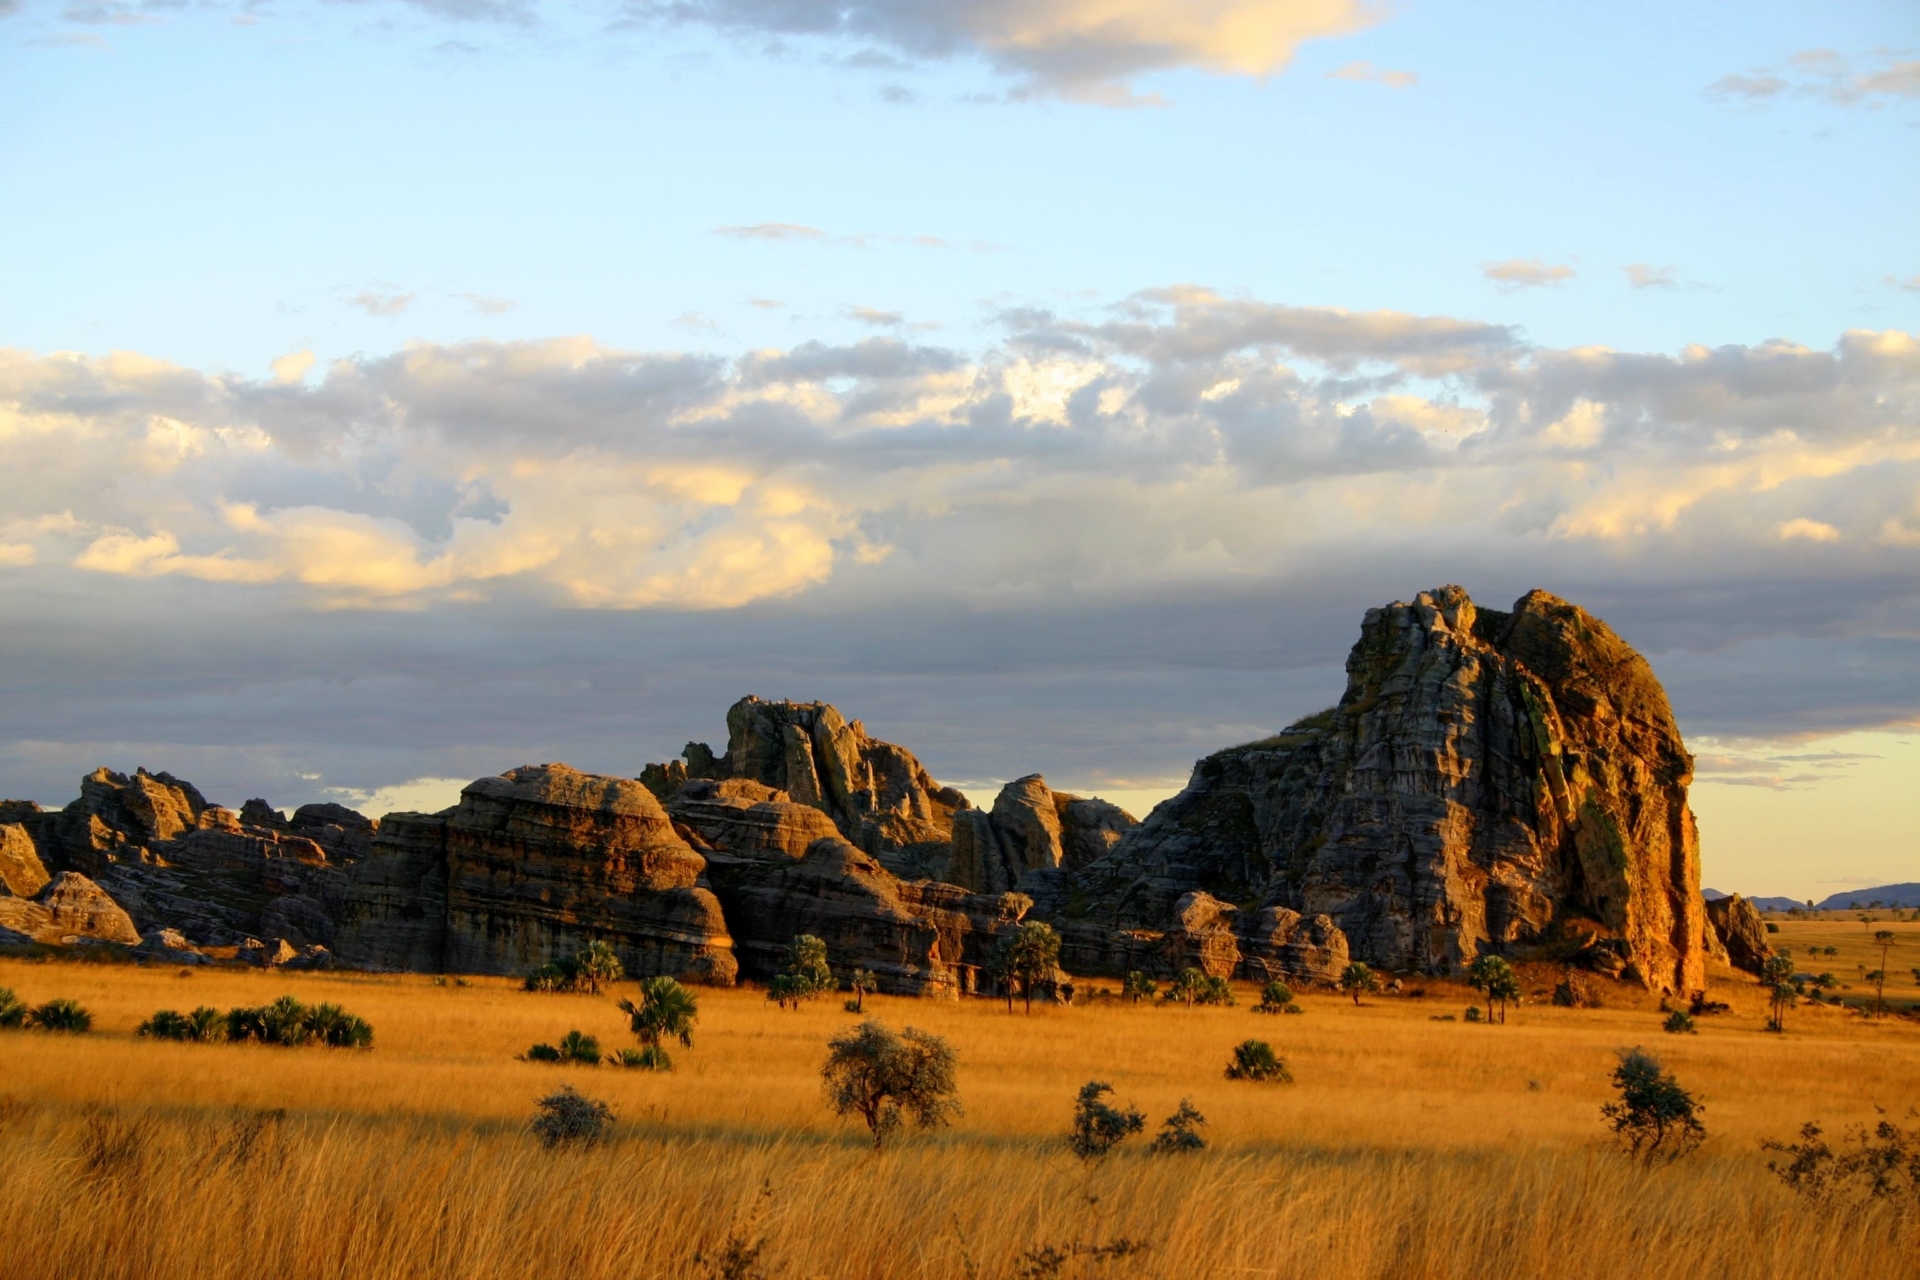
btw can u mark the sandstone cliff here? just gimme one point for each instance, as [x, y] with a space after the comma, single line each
[1489, 780]
[1031, 828]
[530, 865]
[878, 795]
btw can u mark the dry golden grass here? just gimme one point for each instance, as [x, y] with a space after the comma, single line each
[1407, 1147]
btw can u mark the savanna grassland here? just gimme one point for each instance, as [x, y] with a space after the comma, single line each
[1407, 1147]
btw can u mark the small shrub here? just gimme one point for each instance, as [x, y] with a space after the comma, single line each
[1358, 978]
[60, 1015]
[806, 974]
[13, 1012]
[667, 1011]
[596, 964]
[542, 1053]
[1215, 990]
[1181, 1132]
[1140, 987]
[335, 1028]
[1274, 998]
[583, 1049]
[1189, 986]
[1472, 1014]
[1097, 1127]
[1877, 1163]
[862, 982]
[202, 1025]
[568, 1118]
[288, 1023]
[1680, 1023]
[560, 974]
[1255, 1060]
[885, 1078]
[1654, 1117]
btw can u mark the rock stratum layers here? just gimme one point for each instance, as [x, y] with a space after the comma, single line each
[1505, 781]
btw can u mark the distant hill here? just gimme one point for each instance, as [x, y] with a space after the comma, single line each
[1887, 895]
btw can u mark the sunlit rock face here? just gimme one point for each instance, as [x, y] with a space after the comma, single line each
[1511, 781]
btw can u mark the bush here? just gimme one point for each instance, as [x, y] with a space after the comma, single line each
[596, 964]
[559, 974]
[289, 1023]
[201, 1025]
[1215, 991]
[1654, 1117]
[335, 1028]
[542, 1053]
[667, 1011]
[1030, 955]
[583, 1049]
[13, 1013]
[1357, 978]
[805, 975]
[884, 1078]
[1472, 1014]
[1679, 1023]
[1138, 986]
[1878, 1163]
[1097, 1127]
[1255, 1060]
[60, 1015]
[567, 1118]
[862, 982]
[1274, 998]
[1494, 976]
[1188, 986]
[1181, 1132]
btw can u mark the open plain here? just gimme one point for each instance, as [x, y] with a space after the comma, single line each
[1407, 1146]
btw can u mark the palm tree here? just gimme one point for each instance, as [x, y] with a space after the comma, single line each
[667, 1011]
[1883, 938]
[1356, 978]
[597, 964]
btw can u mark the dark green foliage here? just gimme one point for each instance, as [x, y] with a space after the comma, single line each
[1181, 1132]
[1138, 987]
[1358, 978]
[885, 1078]
[578, 1047]
[1680, 1022]
[1494, 976]
[1472, 1014]
[1256, 1060]
[13, 1013]
[1032, 956]
[862, 982]
[60, 1015]
[1877, 1163]
[567, 1118]
[1189, 986]
[1654, 1117]
[289, 1023]
[805, 975]
[1781, 996]
[1274, 998]
[202, 1025]
[543, 1053]
[597, 964]
[1215, 990]
[1097, 1127]
[667, 1011]
[560, 974]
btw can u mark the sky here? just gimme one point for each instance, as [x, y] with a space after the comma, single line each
[394, 393]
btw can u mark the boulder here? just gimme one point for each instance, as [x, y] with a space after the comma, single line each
[748, 818]
[310, 958]
[1488, 780]
[69, 907]
[1031, 828]
[1217, 938]
[1741, 931]
[169, 946]
[22, 874]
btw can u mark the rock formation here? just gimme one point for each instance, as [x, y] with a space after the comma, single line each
[68, 909]
[532, 864]
[1742, 934]
[877, 794]
[1031, 828]
[1489, 780]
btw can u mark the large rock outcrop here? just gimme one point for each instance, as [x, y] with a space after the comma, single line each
[878, 795]
[1031, 828]
[68, 909]
[1740, 931]
[1490, 780]
[533, 864]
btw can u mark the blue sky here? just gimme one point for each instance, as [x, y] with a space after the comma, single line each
[1052, 383]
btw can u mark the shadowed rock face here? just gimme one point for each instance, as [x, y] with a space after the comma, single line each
[1031, 828]
[531, 865]
[1488, 780]
[877, 794]
[1736, 925]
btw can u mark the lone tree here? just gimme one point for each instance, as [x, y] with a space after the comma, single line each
[598, 963]
[567, 1117]
[1654, 1117]
[885, 1078]
[1494, 976]
[1884, 939]
[1275, 997]
[1357, 978]
[1181, 1131]
[805, 975]
[1140, 987]
[1097, 1127]
[1777, 974]
[861, 983]
[1033, 955]
[667, 1011]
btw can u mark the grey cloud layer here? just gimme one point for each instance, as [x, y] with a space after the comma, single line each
[1092, 547]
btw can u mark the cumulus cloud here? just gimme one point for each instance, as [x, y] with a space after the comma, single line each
[1367, 73]
[1882, 76]
[1526, 273]
[1085, 50]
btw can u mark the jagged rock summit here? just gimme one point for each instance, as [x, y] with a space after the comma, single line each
[1505, 780]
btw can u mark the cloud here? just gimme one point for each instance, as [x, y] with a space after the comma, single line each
[481, 304]
[1827, 76]
[1525, 273]
[1366, 72]
[779, 232]
[877, 319]
[1641, 275]
[518, 13]
[1911, 284]
[70, 40]
[1811, 530]
[767, 304]
[381, 300]
[292, 368]
[1083, 50]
